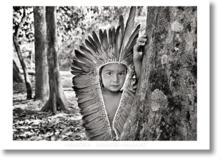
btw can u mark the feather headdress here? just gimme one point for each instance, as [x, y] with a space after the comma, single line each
[112, 46]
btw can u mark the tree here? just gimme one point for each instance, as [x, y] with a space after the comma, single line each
[165, 106]
[41, 67]
[18, 50]
[57, 99]
[16, 75]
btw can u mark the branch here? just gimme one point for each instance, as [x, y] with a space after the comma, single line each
[21, 23]
[30, 13]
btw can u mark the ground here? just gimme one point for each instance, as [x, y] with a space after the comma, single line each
[30, 124]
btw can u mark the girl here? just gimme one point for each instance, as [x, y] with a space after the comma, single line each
[103, 78]
[113, 77]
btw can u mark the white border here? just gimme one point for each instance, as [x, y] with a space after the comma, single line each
[203, 139]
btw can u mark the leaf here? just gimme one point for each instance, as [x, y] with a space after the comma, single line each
[65, 130]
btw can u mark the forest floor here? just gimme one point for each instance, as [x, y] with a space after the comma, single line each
[31, 124]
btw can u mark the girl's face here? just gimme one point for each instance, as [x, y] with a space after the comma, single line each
[113, 76]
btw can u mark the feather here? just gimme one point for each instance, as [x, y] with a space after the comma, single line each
[113, 37]
[132, 40]
[123, 118]
[102, 39]
[76, 68]
[110, 37]
[96, 39]
[76, 73]
[101, 36]
[113, 42]
[84, 57]
[97, 42]
[85, 86]
[126, 112]
[81, 65]
[85, 78]
[128, 50]
[91, 119]
[82, 90]
[98, 48]
[96, 58]
[91, 48]
[91, 103]
[128, 30]
[85, 97]
[81, 80]
[120, 125]
[82, 85]
[100, 137]
[89, 110]
[95, 129]
[118, 43]
[85, 50]
[105, 41]
[121, 24]
[93, 44]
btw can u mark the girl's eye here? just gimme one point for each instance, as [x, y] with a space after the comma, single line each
[122, 74]
[109, 73]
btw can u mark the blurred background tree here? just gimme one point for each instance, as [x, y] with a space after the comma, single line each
[20, 21]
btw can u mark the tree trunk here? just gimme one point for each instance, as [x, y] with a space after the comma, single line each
[166, 100]
[16, 76]
[26, 78]
[57, 100]
[20, 57]
[41, 67]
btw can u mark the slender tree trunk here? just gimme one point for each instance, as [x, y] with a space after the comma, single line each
[20, 57]
[26, 77]
[166, 100]
[41, 66]
[57, 100]
[16, 76]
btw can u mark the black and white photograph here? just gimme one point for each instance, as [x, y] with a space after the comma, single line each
[130, 73]
[108, 77]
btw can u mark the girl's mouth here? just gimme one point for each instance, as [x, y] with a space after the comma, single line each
[115, 85]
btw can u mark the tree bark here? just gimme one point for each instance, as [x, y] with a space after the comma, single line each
[16, 76]
[165, 106]
[41, 67]
[57, 100]
[26, 77]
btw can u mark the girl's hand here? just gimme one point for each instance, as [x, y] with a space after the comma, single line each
[138, 48]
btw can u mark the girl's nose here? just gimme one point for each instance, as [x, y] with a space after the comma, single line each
[115, 78]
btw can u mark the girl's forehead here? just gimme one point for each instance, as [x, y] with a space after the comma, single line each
[115, 67]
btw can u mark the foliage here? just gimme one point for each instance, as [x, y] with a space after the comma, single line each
[31, 124]
[27, 30]
[36, 126]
